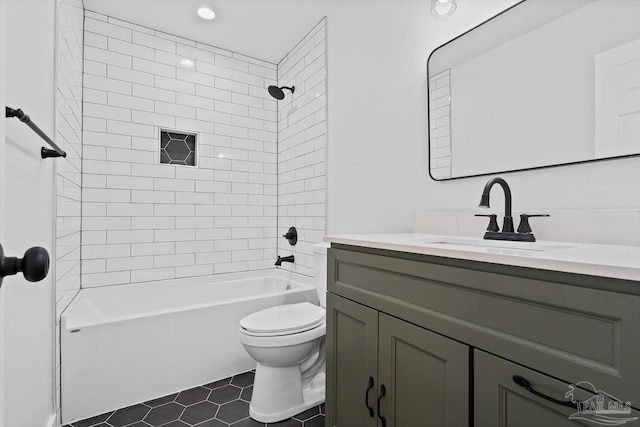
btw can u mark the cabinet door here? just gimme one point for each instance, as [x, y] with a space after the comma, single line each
[426, 376]
[499, 401]
[352, 360]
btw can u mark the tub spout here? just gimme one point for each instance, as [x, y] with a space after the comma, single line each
[280, 260]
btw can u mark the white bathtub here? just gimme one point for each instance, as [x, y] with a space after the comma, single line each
[121, 345]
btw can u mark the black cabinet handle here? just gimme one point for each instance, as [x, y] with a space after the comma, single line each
[366, 397]
[526, 384]
[383, 391]
[34, 265]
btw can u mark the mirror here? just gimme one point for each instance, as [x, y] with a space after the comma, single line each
[544, 83]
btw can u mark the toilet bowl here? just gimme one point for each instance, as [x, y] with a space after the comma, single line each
[288, 344]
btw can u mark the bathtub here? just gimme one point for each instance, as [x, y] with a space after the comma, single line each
[121, 345]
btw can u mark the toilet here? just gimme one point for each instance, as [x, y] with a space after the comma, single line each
[288, 344]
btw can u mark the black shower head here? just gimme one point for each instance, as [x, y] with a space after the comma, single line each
[277, 92]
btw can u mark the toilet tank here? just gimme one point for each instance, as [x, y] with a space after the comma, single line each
[320, 270]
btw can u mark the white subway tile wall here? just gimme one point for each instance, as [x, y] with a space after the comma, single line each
[148, 221]
[302, 148]
[440, 124]
[68, 180]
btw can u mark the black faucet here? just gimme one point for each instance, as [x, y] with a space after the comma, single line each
[524, 233]
[507, 224]
[280, 260]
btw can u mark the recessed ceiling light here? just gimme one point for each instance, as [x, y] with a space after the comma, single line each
[443, 8]
[205, 12]
[187, 63]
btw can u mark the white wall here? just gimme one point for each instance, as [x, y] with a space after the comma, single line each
[27, 316]
[3, 55]
[302, 154]
[377, 167]
[146, 221]
[377, 120]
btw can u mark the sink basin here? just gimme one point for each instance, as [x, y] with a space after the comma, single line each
[445, 241]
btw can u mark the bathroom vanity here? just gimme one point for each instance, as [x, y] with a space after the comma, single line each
[428, 331]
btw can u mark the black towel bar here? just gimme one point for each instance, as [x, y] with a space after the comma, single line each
[45, 152]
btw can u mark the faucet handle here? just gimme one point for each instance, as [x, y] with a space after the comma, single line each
[493, 222]
[524, 226]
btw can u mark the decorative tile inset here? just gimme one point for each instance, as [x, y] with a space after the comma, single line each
[177, 148]
[223, 403]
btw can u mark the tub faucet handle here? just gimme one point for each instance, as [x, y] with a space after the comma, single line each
[291, 236]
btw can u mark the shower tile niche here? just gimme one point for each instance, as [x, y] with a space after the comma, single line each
[177, 148]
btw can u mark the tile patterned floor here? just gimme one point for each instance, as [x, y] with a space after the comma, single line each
[224, 403]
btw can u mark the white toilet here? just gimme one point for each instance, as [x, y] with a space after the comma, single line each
[288, 343]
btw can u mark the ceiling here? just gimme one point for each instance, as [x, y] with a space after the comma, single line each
[263, 29]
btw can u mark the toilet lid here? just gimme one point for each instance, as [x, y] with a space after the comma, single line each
[289, 318]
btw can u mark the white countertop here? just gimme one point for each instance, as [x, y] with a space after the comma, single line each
[621, 262]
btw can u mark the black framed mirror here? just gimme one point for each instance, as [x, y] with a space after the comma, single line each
[544, 83]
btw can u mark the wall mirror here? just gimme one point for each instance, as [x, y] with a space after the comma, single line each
[544, 83]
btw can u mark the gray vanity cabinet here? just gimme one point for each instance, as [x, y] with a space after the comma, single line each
[383, 368]
[386, 368]
[445, 335]
[499, 402]
[352, 368]
[425, 375]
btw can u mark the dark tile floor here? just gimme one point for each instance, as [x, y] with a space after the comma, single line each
[223, 403]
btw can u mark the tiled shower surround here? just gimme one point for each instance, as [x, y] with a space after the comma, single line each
[302, 148]
[68, 173]
[69, 137]
[144, 221]
[223, 403]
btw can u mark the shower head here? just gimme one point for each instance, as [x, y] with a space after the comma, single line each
[277, 92]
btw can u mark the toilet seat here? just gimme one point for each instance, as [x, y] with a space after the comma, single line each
[283, 320]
